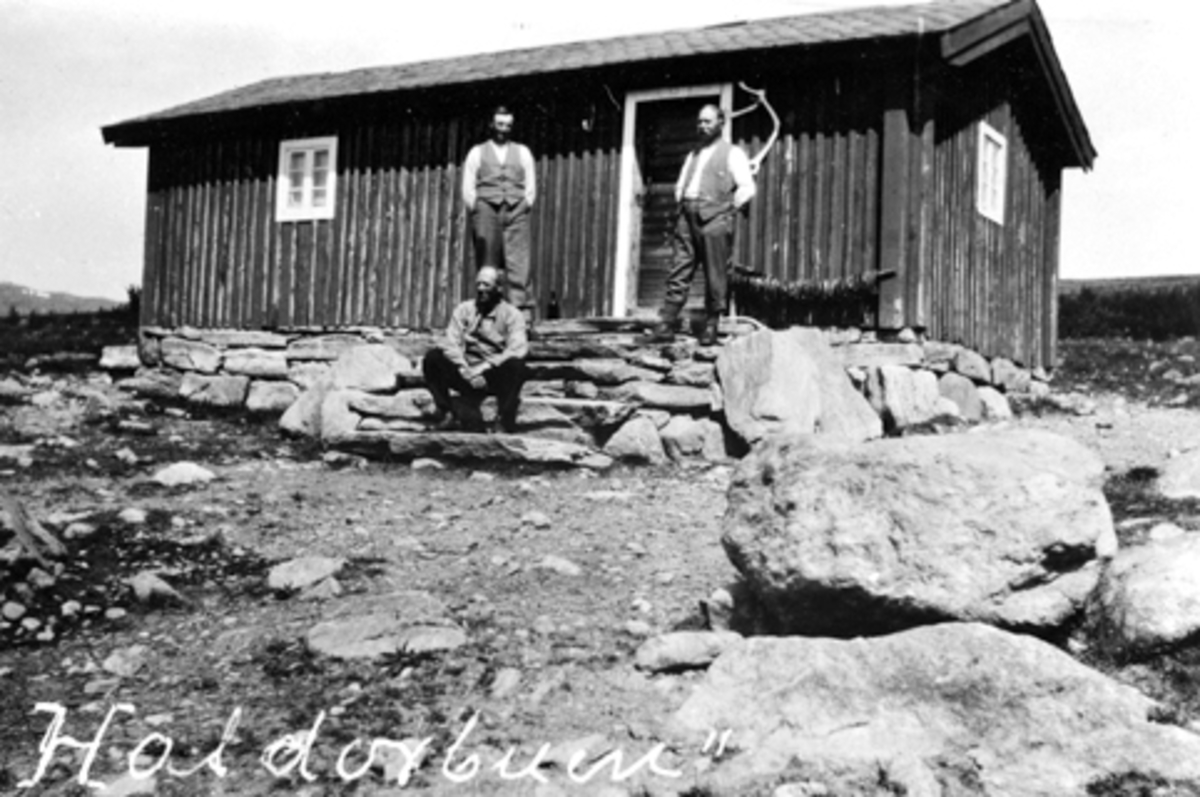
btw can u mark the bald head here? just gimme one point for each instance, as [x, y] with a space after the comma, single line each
[488, 286]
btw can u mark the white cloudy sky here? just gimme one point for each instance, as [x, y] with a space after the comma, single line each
[71, 208]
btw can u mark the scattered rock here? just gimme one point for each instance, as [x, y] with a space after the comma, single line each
[506, 682]
[962, 391]
[12, 611]
[183, 473]
[303, 417]
[637, 441]
[1161, 532]
[560, 565]
[125, 662]
[972, 365]
[149, 588]
[683, 650]
[303, 572]
[1179, 478]
[980, 710]
[425, 463]
[133, 516]
[1148, 598]
[323, 590]
[995, 405]
[127, 785]
[270, 397]
[539, 520]
[214, 391]
[684, 437]
[1009, 377]
[120, 358]
[845, 539]
[386, 624]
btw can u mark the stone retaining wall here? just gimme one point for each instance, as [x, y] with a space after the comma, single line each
[590, 383]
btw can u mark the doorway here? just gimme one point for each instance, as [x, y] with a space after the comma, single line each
[660, 129]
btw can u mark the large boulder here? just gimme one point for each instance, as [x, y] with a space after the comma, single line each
[1148, 599]
[841, 539]
[947, 709]
[789, 382]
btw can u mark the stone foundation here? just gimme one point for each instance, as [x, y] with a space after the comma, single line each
[592, 387]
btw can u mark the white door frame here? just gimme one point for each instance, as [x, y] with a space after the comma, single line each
[628, 154]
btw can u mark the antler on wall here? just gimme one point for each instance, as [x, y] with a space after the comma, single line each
[760, 100]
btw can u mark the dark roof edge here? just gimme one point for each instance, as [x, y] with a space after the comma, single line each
[979, 37]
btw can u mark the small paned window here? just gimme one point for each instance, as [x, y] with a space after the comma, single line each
[307, 179]
[992, 176]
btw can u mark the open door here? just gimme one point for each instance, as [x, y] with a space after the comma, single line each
[660, 130]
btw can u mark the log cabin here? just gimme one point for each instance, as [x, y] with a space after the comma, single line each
[917, 150]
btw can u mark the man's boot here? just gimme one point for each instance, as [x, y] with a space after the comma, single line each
[709, 336]
[664, 330]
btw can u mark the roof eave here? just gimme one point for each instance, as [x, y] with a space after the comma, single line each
[982, 36]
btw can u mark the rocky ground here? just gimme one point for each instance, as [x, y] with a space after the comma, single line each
[556, 577]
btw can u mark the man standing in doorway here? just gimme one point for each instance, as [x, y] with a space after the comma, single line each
[714, 184]
[499, 188]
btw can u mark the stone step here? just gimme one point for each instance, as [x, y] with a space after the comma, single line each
[474, 447]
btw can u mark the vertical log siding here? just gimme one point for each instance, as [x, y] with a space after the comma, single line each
[397, 252]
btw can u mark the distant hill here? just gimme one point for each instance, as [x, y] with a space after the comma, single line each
[27, 300]
[1134, 284]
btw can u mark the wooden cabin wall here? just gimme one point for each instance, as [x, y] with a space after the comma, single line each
[988, 286]
[397, 252]
[816, 213]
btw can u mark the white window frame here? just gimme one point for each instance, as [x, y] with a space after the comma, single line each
[304, 210]
[991, 177]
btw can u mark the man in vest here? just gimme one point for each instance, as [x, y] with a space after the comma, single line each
[499, 188]
[714, 184]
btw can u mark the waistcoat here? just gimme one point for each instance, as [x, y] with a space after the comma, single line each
[500, 183]
[716, 183]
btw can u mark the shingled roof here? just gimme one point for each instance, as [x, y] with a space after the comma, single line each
[881, 22]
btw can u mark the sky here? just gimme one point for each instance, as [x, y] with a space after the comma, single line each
[72, 208]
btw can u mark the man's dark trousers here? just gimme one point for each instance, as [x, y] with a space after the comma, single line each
[698, 243]
[504, 382]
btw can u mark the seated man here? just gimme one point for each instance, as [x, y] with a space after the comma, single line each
[484, 352]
